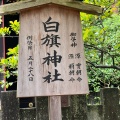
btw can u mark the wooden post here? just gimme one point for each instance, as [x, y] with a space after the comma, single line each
[54, 103]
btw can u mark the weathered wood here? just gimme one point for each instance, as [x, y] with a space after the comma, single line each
[71, 69]
[80, 6]
[55, 108]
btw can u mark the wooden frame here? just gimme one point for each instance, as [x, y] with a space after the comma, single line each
[27, 4]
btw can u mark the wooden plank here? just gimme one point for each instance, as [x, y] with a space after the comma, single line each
[55, 64]
[55, 108]
[84, 7]
[80, 6]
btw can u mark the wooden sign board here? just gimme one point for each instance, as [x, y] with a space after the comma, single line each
[51, 53]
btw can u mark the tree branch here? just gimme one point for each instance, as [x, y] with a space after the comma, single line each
[99, 49]
[104, 66]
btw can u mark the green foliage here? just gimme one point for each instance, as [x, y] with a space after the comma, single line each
[9, 65]
[4, 31]
[101, 36]
[5, 84]
[15, 26]
[12, 61]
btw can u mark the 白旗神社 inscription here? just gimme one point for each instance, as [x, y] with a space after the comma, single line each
[52, 40]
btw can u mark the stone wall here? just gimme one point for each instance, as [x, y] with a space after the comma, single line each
[73, 107]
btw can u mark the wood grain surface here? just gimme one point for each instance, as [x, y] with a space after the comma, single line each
[32, 61]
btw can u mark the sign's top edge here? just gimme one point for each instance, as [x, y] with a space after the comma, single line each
[73, 4]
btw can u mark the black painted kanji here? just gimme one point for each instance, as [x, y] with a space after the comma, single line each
[53, 59]
[51, 26]
[51, 40]
[56, 77]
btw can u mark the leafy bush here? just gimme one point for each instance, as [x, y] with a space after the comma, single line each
[101, 35]
[9, 65]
